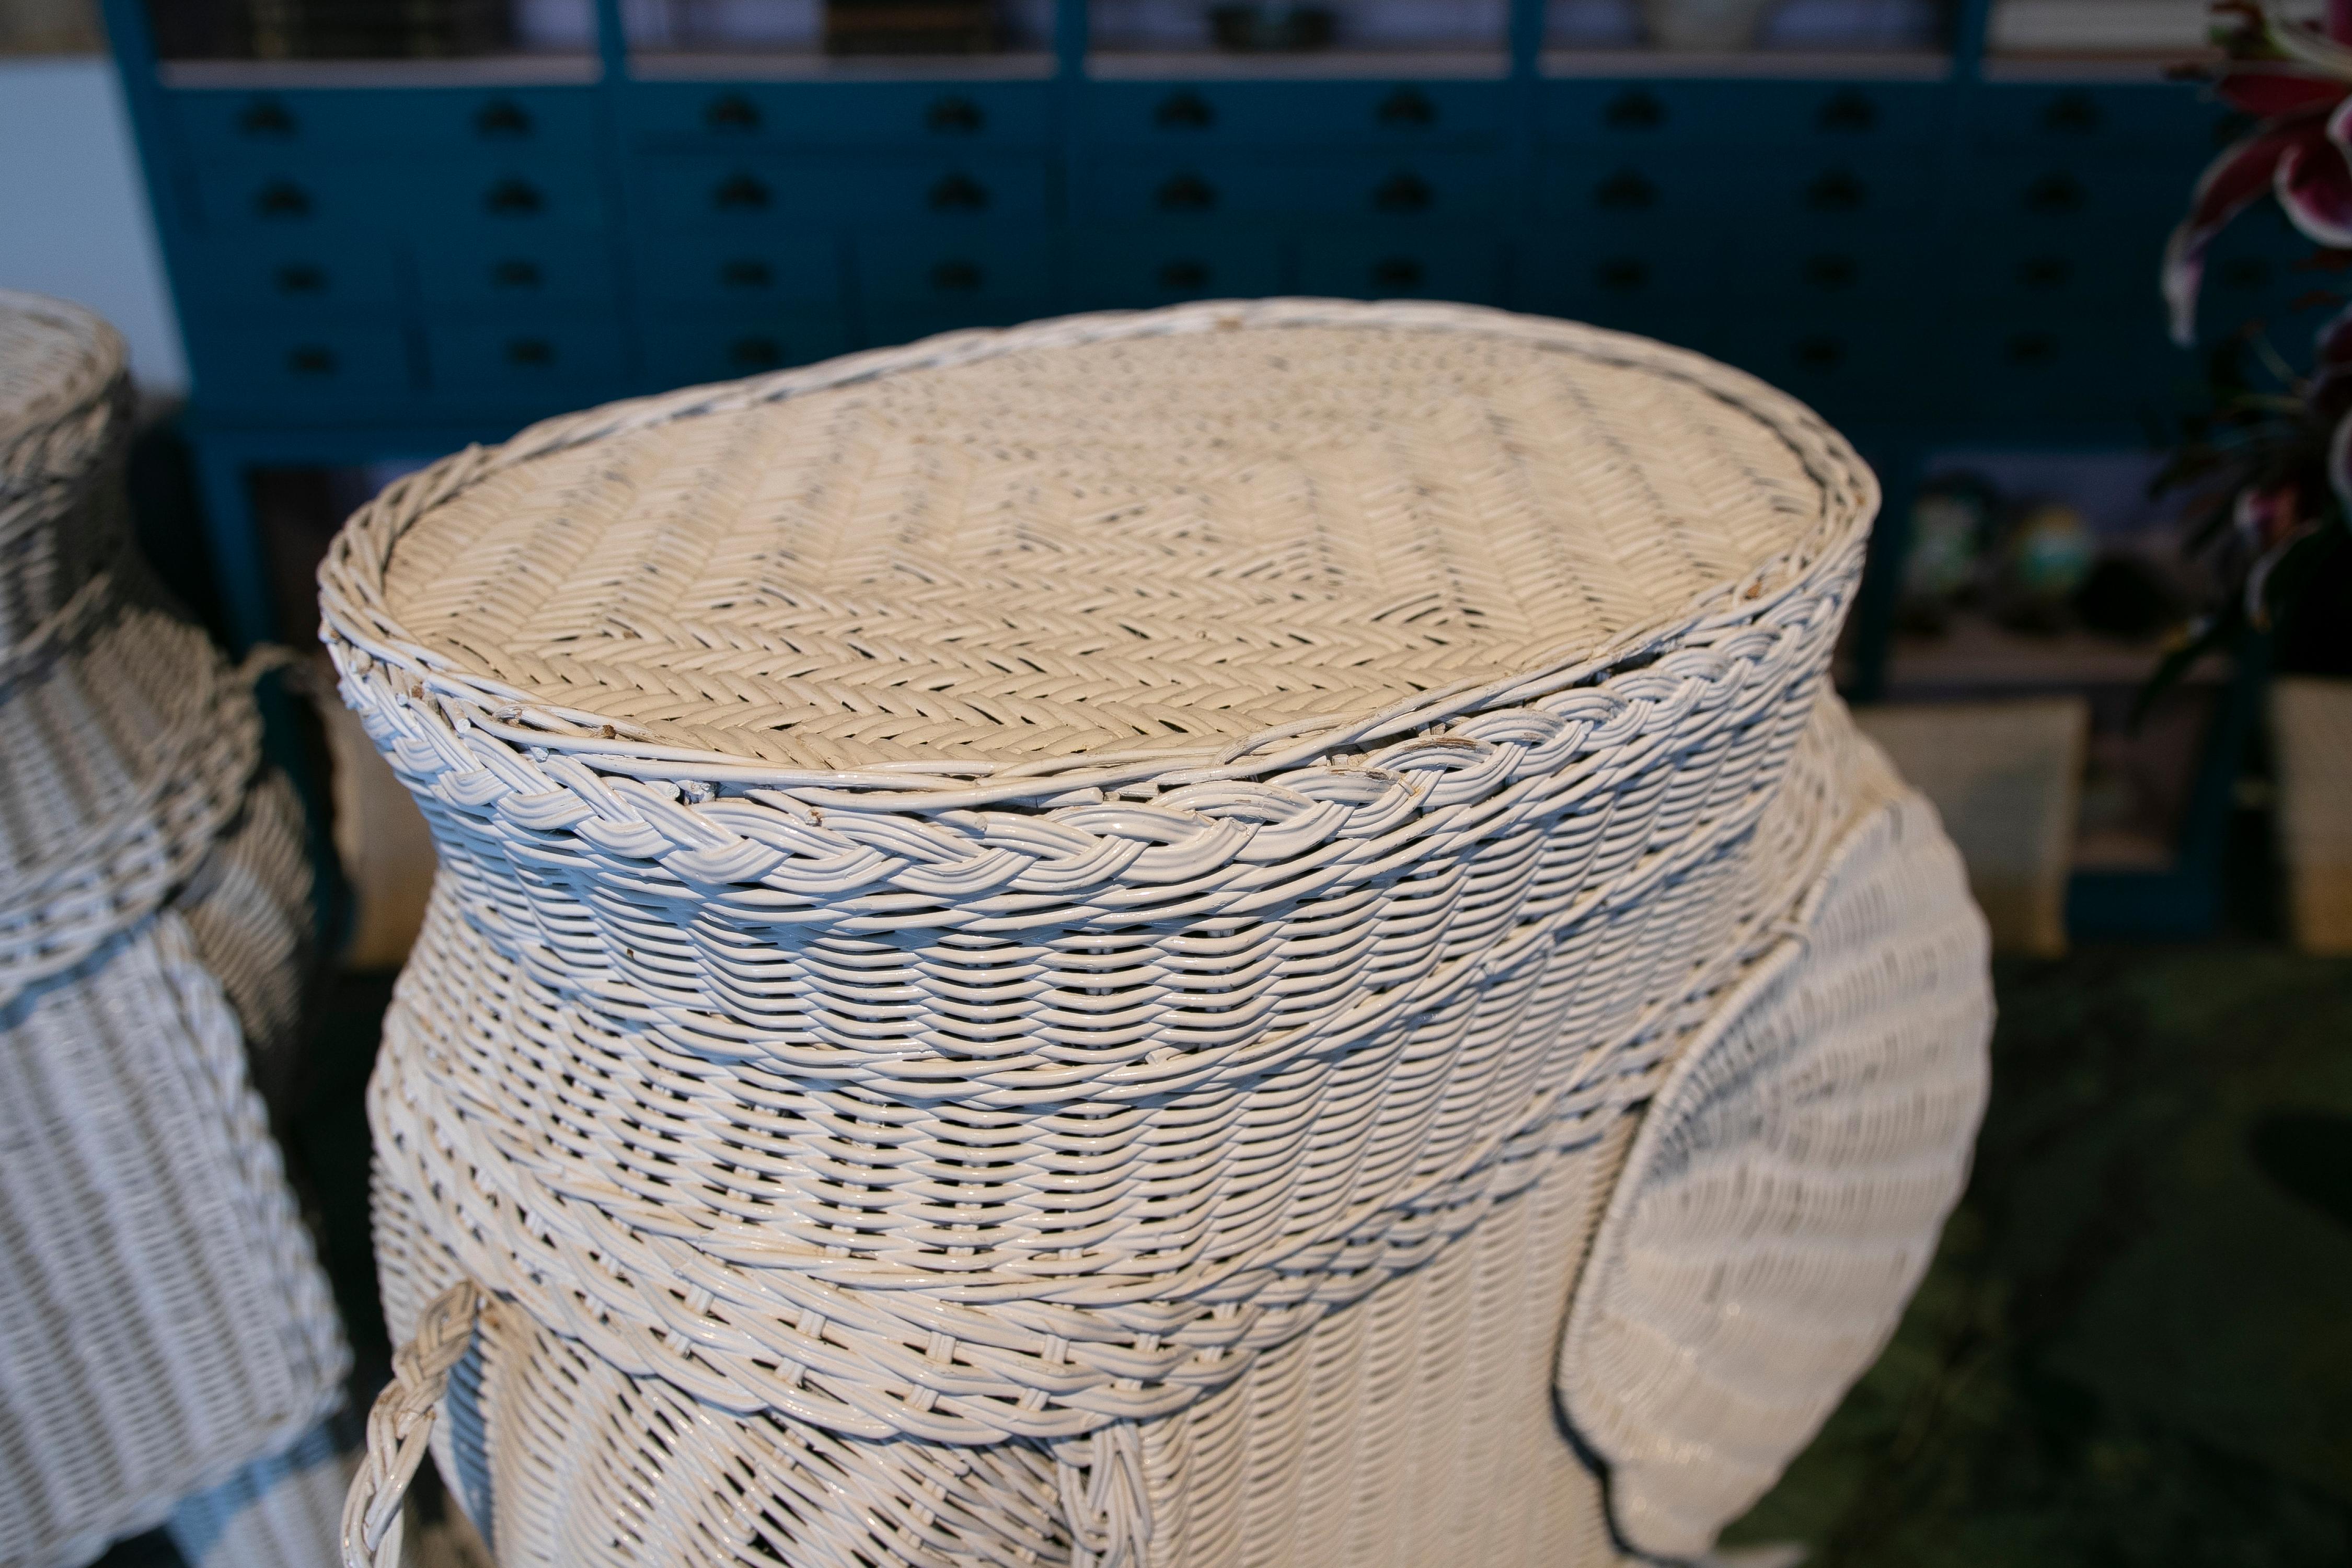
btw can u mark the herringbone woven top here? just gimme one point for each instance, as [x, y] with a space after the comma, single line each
[1103, 552]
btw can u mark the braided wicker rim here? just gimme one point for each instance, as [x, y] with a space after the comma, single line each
[360, 628]
[66, 387]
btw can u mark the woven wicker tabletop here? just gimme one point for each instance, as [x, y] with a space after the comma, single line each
[1058, 549]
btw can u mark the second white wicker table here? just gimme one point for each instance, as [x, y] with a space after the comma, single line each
[1150, 939]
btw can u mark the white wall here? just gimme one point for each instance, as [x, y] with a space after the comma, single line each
[73, 207]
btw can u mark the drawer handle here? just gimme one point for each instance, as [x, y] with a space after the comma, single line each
[2045, 271]
[957, 277]
[500, 118]
[1183, 112]
[1403, 192]
[1398, 272]
[1831, 272]
[1847, 112]
[2030, 351]
[1837, 192]
[1406, 109]
[301, 277]
[731, 111]
[755, 353]
[516, 273]
[740, 194]
[1185, 194]
[745, 273]
[2052, 195]
[1820, 351]
[282, 199]
[1622, 274]
[312, 358]
[2070, 115]
[1625, 191]
[514, 198]
[529, 352]
[958, 193]
[1184, 277]
[1634, 111]
[954, 117]
[264, 117]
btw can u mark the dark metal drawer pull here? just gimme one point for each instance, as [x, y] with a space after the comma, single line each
[1634, 111]
[1837, 192]
[301, 277]
[1625, 191]
[2070, 115]
[282, 198]
[529, 352]
[501, 117]
[1622, 274]
[740, 194]
[1847, 110]
[1184, 276]
[1403, 192]
[264, 117]
[957, 277]
[1831, 271]
[1185, 194]
[954, 117]
[731, 111]
[1820, 351]
[755, 353]
[1398, 272]
[2031, 350]
[959, 193]
[516, 273]
[2053, 195]
[1184, 111]
[1405, 108]
[311, 359]
[514, 198]
[745, 274]
[2045, 271]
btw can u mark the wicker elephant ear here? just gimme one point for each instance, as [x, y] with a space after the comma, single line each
[1785, 1191]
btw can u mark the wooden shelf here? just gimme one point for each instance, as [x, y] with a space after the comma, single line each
[472, 71]
[1798, 65]
[1305, 64]
[798, 65]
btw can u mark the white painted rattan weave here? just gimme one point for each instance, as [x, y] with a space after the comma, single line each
[997, 894]
[163, 1321]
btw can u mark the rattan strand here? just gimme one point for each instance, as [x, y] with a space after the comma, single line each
[980, 1071]
[65, 418]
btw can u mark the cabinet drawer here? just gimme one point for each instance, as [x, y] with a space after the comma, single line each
[1849, 365]
[2060, 366]
[524, 359]
[945, 115]
[1377, 263]
[922, 268]
[236, 126]
[298, 368]
[749, 271]
[524, 269]
[1162, 265]
[312, 273]
[1648, 196]
[1437, 186]
[752, 194]
[1834, 116]
[1297, 113]
[2061, 118]
[2125, 206]
[1817, 195]
[1824, 273]
[685, 349]
[1599, 273]
[446, 196]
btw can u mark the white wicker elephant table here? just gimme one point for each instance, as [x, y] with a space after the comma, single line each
[1245, 935]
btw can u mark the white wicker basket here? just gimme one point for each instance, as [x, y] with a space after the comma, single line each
[164, 1323]
[1049, 943]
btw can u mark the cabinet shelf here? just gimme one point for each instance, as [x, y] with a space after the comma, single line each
[1800, 65]
[1316, 65]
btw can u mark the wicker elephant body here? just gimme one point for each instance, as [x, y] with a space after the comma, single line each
[1161, 939]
